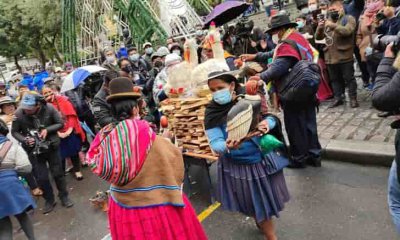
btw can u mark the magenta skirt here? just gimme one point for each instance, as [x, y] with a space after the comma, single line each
[162, 222]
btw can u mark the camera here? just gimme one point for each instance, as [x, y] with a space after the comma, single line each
[381, 41]
[41, 146]
[321, 17]
[244, 27]
[380, 16]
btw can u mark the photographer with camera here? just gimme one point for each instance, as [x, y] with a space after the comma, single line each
[35, 127]
[386, 20]
[339, 31]
[385, 98]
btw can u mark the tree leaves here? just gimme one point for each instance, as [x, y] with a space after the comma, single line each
[26, 24]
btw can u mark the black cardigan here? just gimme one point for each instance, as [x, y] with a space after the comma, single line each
[386, 94]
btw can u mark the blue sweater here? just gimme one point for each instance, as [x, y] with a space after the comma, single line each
[247, 153]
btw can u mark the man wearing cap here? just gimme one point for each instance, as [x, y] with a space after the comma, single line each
[148, 51]
[42, 147]
[300, 118]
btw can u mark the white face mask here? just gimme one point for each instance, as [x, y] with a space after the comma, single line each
[110, 59]
[313, 7]
[275, 38]
[325, 12]
[177, 52]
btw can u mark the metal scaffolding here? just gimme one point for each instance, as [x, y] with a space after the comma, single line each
[91, 25]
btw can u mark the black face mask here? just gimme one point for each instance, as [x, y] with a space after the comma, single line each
[127, 69]
[334, 15]
[158, 64]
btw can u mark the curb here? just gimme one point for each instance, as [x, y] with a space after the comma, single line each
[360, 152]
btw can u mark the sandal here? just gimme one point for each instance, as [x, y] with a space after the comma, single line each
[37, 192]
[78, 176]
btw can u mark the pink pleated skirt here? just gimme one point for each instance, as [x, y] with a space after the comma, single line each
[155, 223]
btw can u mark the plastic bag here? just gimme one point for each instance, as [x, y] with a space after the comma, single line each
[268, 143]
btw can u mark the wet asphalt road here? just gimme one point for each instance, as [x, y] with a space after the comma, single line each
[338, 201]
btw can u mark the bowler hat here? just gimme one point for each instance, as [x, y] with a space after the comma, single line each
[280, 21]
[122, 88]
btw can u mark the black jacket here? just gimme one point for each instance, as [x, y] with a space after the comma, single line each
[385, 96]
[101, 108]
[47, 117]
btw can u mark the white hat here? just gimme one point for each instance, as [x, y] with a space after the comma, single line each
[147, 44]
[163, 51]
[172, 59]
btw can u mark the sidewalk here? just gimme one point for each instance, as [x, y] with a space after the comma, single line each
[356, 135]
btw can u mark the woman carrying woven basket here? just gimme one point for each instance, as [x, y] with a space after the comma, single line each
[245, 183]
[146, 174]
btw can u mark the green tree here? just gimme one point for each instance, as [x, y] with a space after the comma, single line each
[30, 27]
[44, 20]
[13, 37]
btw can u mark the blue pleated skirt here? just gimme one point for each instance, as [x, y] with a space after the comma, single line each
[15, 198]
[70, 146]
[247, 188]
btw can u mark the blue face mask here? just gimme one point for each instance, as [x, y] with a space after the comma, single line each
[149, 51]
[134, 57]
[300, 24]
[223, 96]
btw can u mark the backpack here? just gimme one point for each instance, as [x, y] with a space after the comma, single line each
[301, 84]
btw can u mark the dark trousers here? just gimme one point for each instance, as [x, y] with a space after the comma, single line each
[365, 74]
[301, 128]
[342, 76]
[76, 163]
[6, 231]
[41, 173]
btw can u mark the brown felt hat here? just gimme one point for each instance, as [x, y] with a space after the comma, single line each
[123, 88]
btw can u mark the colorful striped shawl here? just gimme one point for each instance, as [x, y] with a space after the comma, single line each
[117, 153]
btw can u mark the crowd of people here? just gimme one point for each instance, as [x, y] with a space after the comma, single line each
[45, 131]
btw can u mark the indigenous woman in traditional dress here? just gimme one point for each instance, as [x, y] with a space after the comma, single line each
[244, 183]
[146, 174]
[72, 135]
[15, 199]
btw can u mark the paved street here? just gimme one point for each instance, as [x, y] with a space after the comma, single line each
[339, 201]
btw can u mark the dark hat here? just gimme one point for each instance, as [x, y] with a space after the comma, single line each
[122, 88]
[280, 21]
[223, 75]
[132, 48]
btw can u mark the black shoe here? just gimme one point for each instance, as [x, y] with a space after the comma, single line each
[354, 103]
[66, 202]
[336, 103]
[297, 165]
[315, 162]
[49, 207]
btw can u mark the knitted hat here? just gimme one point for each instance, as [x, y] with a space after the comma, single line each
[122, 88]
